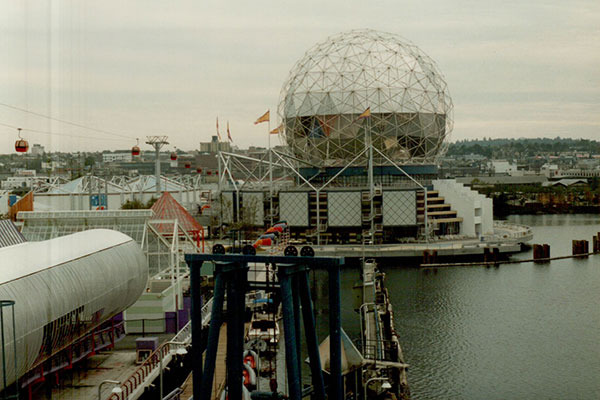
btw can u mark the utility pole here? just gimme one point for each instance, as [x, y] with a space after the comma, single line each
[157, 142]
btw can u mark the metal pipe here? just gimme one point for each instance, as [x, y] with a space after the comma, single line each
[105, 382]
[385, 380]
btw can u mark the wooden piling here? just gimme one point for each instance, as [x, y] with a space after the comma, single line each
[546, 248]
[541, 253]
[581, 248]
[537, 252]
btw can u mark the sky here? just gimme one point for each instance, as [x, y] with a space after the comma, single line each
[135, 68]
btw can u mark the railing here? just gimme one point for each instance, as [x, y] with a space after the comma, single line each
[205, 312]
[152, 363]
[83, 347]
[174, 395]
[519, 230]
[141, 374]
[369, 350]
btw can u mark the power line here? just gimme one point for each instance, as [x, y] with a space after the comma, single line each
[64, 121]
[55, 133]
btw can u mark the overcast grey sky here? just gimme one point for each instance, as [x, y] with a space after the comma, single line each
[146, 67]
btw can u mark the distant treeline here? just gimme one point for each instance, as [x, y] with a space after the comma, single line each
[495, 148]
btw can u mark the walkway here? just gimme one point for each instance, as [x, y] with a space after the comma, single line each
[220, 370]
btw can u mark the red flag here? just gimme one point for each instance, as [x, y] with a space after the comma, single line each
[229, 133]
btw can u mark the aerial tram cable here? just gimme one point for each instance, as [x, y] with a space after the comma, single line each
[65, 121]
[58, 133]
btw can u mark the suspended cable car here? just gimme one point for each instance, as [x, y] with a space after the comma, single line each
[21, 145]
[188, 164]
[174, 155]
[199, 170]
[135, 150]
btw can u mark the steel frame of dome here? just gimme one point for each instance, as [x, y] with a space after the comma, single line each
[338, 79]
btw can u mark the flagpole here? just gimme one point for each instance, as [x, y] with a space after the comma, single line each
[270, 171]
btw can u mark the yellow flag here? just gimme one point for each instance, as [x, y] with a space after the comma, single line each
[277, 130]
[262, 118]
[365, 114]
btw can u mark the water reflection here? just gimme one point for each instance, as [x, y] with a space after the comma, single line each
[517, 331]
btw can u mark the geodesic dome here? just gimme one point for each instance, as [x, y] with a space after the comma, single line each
[338, 79]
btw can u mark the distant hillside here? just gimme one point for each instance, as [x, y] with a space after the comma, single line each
[500, 148]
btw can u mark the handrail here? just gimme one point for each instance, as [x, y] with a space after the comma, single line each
[143, 371]
[138, 377]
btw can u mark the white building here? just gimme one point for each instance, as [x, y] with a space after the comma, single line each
[502, 167]
[114, 157]
[19, 182]
[475, 209]
[37, 149]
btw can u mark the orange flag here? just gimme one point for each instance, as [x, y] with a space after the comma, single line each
[365, 114]
[262, 118]
[229, 133]
[277, 130]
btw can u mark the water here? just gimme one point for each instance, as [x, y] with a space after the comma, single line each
[519, 331]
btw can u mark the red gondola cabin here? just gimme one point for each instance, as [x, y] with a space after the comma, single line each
[21, 146]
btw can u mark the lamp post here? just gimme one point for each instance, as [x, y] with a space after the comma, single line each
[116, 389]
[180, 352]
[385, 385]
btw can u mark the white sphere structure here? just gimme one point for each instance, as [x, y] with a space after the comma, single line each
[338, 79]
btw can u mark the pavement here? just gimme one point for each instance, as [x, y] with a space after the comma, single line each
[82, 381]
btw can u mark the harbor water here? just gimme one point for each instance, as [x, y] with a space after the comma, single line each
[518, 331]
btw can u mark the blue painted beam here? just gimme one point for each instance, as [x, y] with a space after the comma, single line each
[204, 390]
[195, 283]
[242, 258]
[289, 329]
[236, 294]
[335, 338]
[312, 342]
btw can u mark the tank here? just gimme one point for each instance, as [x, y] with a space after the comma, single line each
[65, 287]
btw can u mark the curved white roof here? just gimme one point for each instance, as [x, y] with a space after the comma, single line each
[31, 257]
